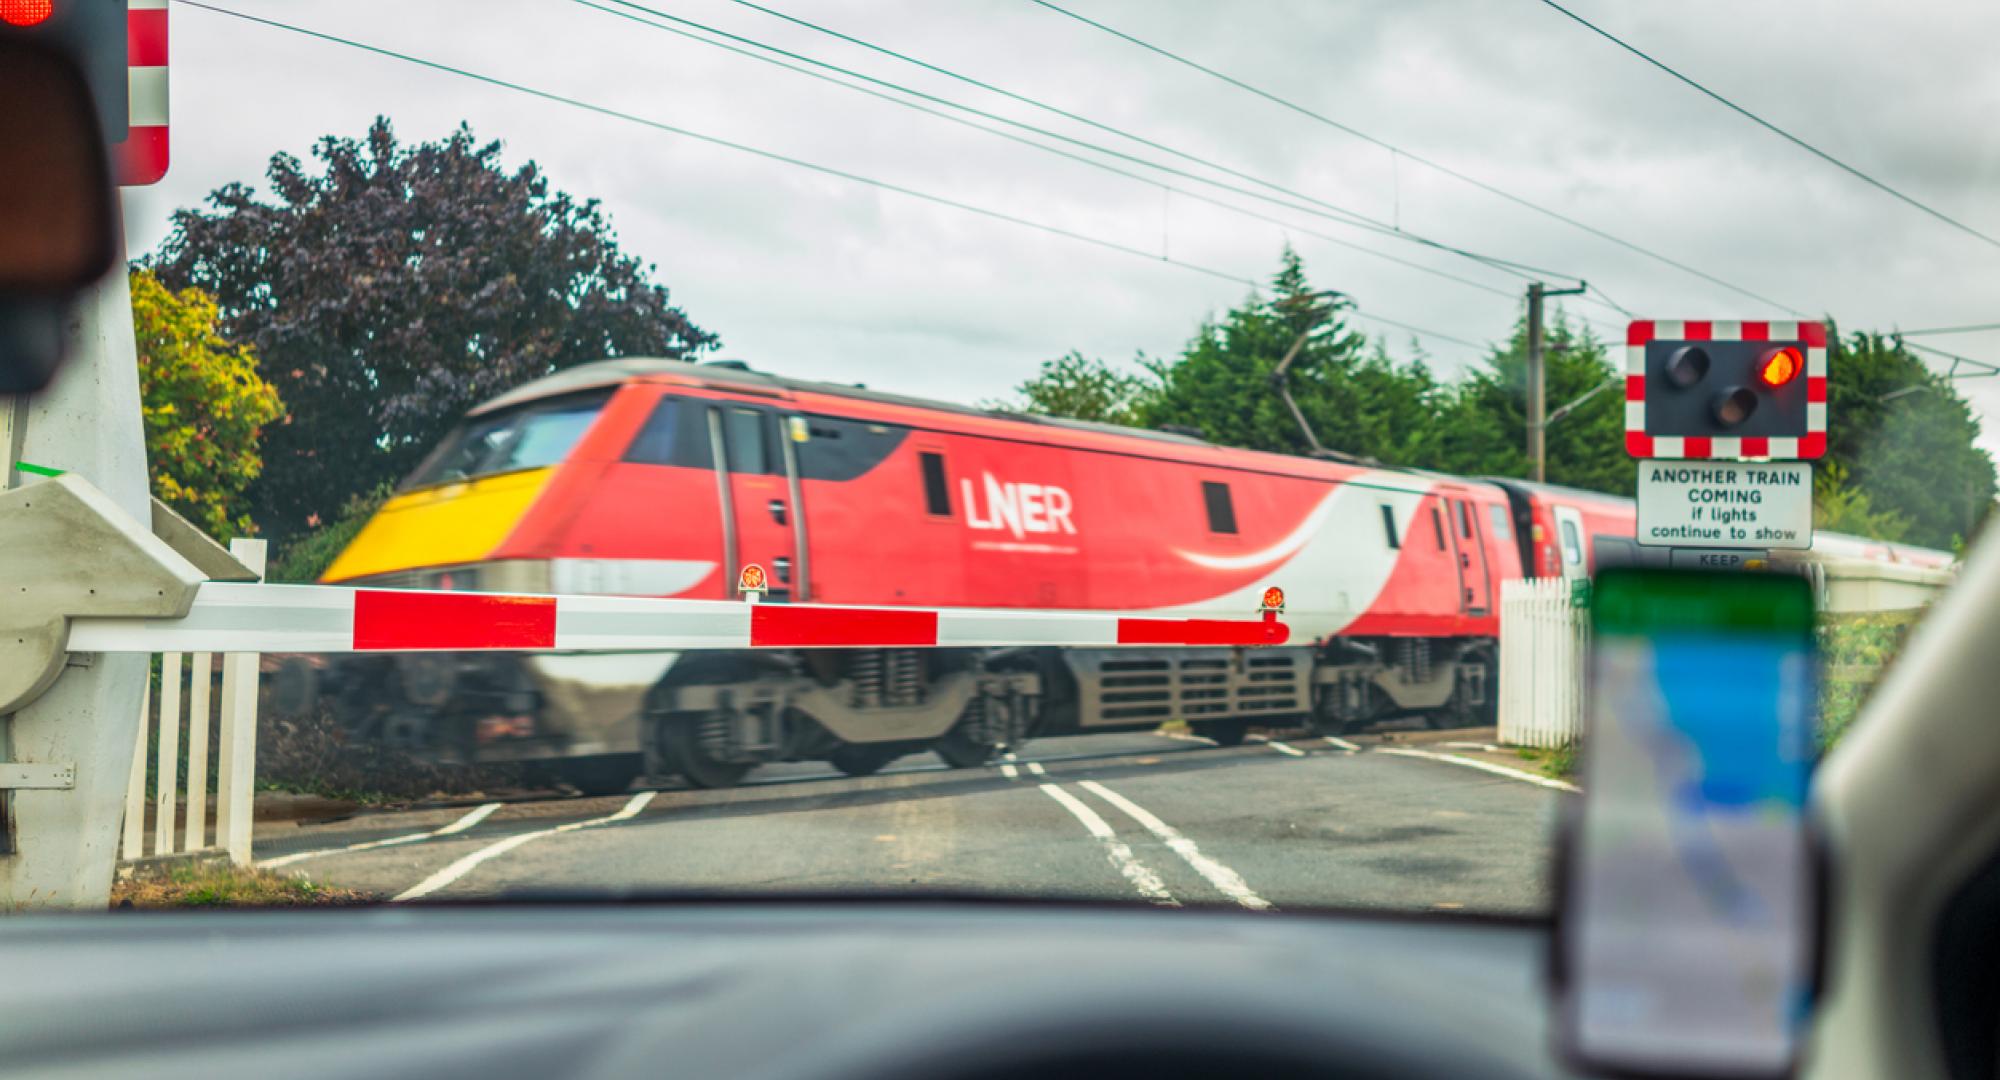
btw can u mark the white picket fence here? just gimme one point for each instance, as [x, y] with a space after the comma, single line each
[1544, 640]
[185, 828]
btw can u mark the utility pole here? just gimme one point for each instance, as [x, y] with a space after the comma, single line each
[1538, 385]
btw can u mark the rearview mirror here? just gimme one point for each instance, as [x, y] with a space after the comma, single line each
[57, 219]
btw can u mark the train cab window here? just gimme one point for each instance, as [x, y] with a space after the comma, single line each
[1464, 520]
[1572, 544]
[1389, 526]
[1221, 510]
[749, 444]
[937, 494]
[1437, 526]
[1500, 527]
[673, 435]
[530, 436]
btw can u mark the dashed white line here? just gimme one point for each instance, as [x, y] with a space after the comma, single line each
[463, 823]
[1484, 766]
[1142, 878]
[464, 865]
[1185, 737]
[1036, 768]
[1335, 740]
[1284, 748]
[1228, 881]
[1009, 771]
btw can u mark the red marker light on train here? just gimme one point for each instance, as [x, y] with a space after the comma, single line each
[1778, 367]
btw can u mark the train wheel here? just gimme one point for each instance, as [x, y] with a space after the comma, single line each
[1223, 732]
[862, 760]
[961, 751]
[681, 751]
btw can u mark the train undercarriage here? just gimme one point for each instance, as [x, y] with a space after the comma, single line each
[598, 723]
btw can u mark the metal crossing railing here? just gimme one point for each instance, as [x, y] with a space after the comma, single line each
[1544, 640]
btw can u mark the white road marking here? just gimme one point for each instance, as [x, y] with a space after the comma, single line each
[1036, 768]
[1222, 877]
[1335, 740]
[464, 865]
[1486, 746]
[1484, 766]
[1184, 737]
[1284, 748]
[1142, 878]
[463, 823]
[1009, 771]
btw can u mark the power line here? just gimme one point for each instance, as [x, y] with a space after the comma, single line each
[1775, 129]
[768, 155]
[1361, 220]
[1419, 159]
[1079, 158]
[1973, 329]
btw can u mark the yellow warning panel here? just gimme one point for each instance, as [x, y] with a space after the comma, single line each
[440, 526]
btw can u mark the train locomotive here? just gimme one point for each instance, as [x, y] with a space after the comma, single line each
[662, 478]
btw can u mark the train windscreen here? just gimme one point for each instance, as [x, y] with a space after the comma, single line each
[524, 437]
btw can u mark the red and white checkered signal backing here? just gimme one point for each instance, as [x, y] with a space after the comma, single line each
[1641, 445]
[142, 159]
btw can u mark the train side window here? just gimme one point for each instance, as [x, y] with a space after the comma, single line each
[1500, 528]
[1464, 521]
[1437, 525]
[1572, 544]
[937, 495]
[1389, 526]
[748, 446]
[672, 435]
[1221, 510]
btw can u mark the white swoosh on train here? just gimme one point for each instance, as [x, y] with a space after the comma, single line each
[1283, 549]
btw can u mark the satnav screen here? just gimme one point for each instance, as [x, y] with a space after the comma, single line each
[1689, 923]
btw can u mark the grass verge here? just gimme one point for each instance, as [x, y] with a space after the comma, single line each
[1557, 764]
[211, 886]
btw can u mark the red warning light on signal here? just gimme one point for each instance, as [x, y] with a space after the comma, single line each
[751, 579]
[1274, 599]
[25, 12]
[1778, 367]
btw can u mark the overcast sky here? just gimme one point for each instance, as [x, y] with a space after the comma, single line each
[808, 274]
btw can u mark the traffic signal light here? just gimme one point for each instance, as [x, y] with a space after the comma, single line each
[1725, 389]
[92, 34]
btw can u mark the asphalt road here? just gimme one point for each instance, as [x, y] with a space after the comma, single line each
[1146, 818]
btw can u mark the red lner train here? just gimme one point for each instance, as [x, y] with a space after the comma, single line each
[663, 478]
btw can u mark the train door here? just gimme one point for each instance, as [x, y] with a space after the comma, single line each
[1475, 583]
[759, 495]
[1569, 542]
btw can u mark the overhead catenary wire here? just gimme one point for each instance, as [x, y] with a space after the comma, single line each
[1360, 220]
[801, 69]
[785, 159]
[1972, 329]
[1774, 129]
[1403, 152]
[1986, 369]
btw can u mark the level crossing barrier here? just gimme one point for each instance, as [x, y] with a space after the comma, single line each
[243, 620]
[1544, 640]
